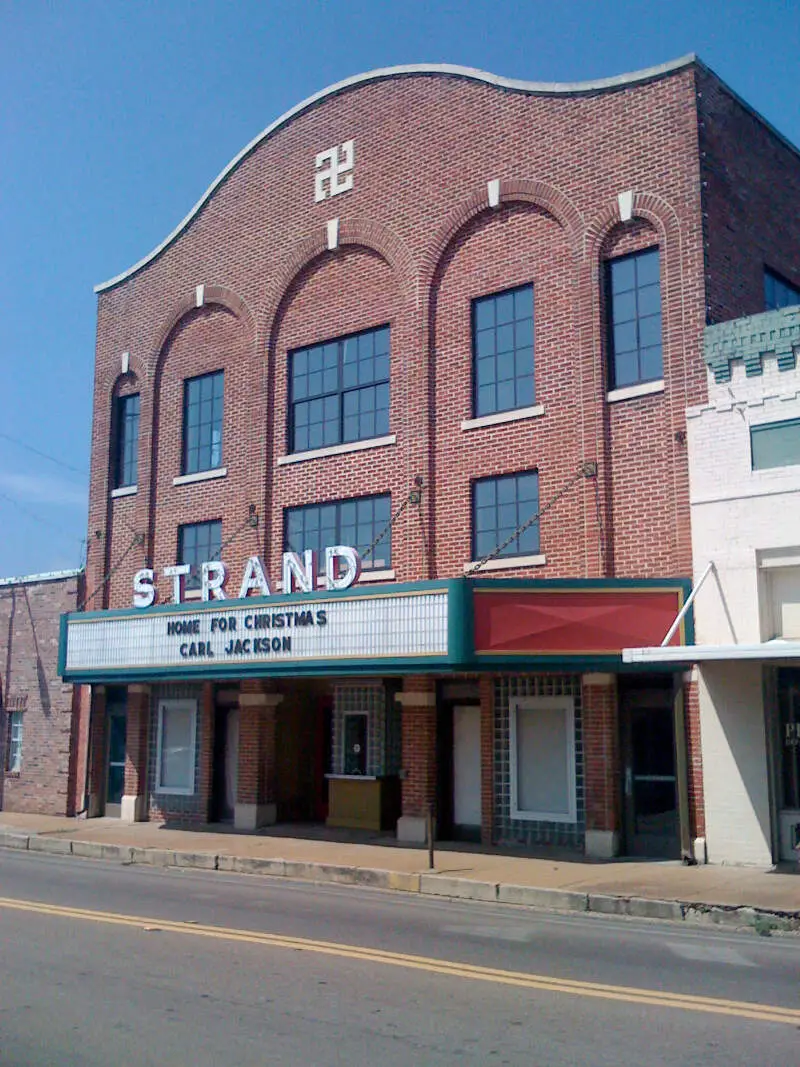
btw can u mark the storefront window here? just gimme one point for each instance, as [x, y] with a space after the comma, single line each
[355, 744]
[543, 759]
[789, 704]
[177, 723]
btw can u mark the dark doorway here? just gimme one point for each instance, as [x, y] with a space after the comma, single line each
[116, 723]
[649, 786]
[226, 764]
[323, 757]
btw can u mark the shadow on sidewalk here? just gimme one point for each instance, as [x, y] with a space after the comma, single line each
[319, 832]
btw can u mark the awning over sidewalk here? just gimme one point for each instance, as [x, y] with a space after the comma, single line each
[688, 654]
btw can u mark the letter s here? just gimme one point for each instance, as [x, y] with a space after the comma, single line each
[322, 618]
[144, 590]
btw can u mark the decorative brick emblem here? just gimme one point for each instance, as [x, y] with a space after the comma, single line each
[334, 171]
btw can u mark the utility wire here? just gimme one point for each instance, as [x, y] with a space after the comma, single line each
[32, 514]
[138, 539]
[586, 469]
[42, 455]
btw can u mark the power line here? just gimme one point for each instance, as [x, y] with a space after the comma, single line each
[42, 455]
[32, 514]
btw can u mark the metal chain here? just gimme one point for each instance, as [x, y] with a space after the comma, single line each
[414, 497]
[586, 469]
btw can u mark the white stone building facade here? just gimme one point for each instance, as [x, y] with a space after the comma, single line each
[744, 461]
[744, 466]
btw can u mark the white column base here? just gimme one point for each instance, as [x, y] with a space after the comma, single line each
[602, 844]
[413, 829]
[251, 816]
[700, 850]
[133, 809]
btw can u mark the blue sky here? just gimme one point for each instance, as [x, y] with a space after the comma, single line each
[115, 117]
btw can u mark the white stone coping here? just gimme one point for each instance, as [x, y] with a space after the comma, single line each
[338, 450]
[416, 700]
[506, 563]
[365, 576]
[124, 490]
[47, 576]
[376, 576]
[447, 70]
[629, 392]
[499, 417]
[201, 476]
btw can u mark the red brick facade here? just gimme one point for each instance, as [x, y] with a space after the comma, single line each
[31, 689]
[417, 242]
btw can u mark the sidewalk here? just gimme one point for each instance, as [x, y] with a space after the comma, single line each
[736, 896]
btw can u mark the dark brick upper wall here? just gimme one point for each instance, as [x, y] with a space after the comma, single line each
[752, 203]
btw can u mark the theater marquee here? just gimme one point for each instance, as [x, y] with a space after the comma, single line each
[259, 635]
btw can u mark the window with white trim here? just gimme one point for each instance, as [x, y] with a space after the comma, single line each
[543, 759]
[14, 759]
[177, 740]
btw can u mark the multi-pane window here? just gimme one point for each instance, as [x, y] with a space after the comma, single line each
[355, 523]
[198, 543]
[633, 290]
[778, 293]
[776, 444]
[502, 351]
[14, 759]
[202, 423]
[126, 444]
[499, 507]
[339, 391]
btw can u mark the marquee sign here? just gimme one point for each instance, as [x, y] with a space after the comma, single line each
[436, 626]
[278, 635]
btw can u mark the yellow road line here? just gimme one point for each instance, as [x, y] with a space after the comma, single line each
[519, 979]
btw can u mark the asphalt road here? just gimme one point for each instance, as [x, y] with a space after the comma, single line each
[101, 964]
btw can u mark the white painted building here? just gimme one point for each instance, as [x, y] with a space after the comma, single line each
[744, 461]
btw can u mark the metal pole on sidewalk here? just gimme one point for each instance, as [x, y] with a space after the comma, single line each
[429, 835]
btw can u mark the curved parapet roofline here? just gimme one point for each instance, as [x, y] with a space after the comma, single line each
[451, 70]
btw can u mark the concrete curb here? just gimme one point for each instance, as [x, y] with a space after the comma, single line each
[762, 920]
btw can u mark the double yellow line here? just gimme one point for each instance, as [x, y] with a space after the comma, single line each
[654, 998]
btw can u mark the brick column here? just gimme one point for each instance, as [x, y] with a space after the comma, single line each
[255, 787]
[206, 768]
[137, 746]
[418, 701]
[697, 811]
[486, 688]
[96, 755]
[601, 765]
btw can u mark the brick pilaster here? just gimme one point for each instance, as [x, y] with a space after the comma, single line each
[255, 791]
[601, 764]
[697, 814]
[486, 687]
[418, 724]
[137, 744]
[97, 752]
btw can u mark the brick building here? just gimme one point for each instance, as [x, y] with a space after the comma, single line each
[469, 310]
[38, 711]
